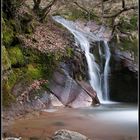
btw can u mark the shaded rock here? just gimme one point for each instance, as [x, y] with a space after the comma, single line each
[123, 78]
[127, 60]
[6, 63]
[55, 101]
[90, 91]
[12, 138]
[68, 135]
[70, 93]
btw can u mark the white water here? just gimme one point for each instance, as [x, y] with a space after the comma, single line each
[106, 70]
[84, 38]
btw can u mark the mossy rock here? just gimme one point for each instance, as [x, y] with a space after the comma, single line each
[7, 33]
[38, 66]
[6, 63]
[75, 14]
[127, 44]
[15, 76]
[27, 23]
[41, 63]
[70, 52]
[34, 71]
[16, 56]
[128, 24]
[7, 97]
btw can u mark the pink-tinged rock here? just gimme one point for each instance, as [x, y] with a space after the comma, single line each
[71, 93]
[64, 134]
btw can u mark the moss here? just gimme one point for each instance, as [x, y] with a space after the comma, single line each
[133, 22]
[38, 66]
[74, 14]
[27, 23]
[131, 46]
[127, 44]
[8, 98]
[45, 63]
[34, 72]
[77, 14]
[69, 51]
[7, 33]
[6, 63]
[16, 75]
[128, 24]
[16, 56]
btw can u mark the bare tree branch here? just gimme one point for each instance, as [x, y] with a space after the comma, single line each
[84, 9]
[49, 6]
[42, 13]
[123, 10]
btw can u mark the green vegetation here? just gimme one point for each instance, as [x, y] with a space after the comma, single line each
[127, 24]
[7, 33]
[7, 97]
[30, 65]
[130, 45]
[16, 56]
[69, 51]
[35, 72]
[75, 13]
[6, 64]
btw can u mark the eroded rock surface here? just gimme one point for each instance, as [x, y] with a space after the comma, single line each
[68, 135]
[72, 93]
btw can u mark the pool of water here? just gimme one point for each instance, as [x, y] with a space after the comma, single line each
[114, 121]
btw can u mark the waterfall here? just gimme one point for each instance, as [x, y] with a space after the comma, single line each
[106, 70]
[83, 39]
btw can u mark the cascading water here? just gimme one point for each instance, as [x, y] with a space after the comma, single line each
[106, 70]
[84, 38]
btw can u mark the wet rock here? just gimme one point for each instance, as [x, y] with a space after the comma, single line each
[55, 101]
[68, 135]
[124, 54]
[127, 60]
[12, 138]
[124, 75]
[70, 93]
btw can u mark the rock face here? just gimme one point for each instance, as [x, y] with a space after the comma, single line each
[126, 59]
[124, 71]
[68, 135]
[71, 93]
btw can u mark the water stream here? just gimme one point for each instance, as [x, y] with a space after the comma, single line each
[84, 38]
[109, 121]
[106, 122]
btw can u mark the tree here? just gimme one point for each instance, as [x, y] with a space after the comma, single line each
[42, 12]
[109, 10]
[9, 7]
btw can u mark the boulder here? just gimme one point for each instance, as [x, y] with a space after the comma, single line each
[68, 135]
[71, 93]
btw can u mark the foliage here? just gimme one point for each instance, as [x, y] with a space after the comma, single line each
[34, 72]
[16, 56]
[7, 33]
[127, 24]
[69, 52]
[6, 63]
[7, 97]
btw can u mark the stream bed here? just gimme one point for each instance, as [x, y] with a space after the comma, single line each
[114, 121]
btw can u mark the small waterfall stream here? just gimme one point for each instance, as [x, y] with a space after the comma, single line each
[83, 39]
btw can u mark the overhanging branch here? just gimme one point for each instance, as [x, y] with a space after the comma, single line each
[118, 13]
